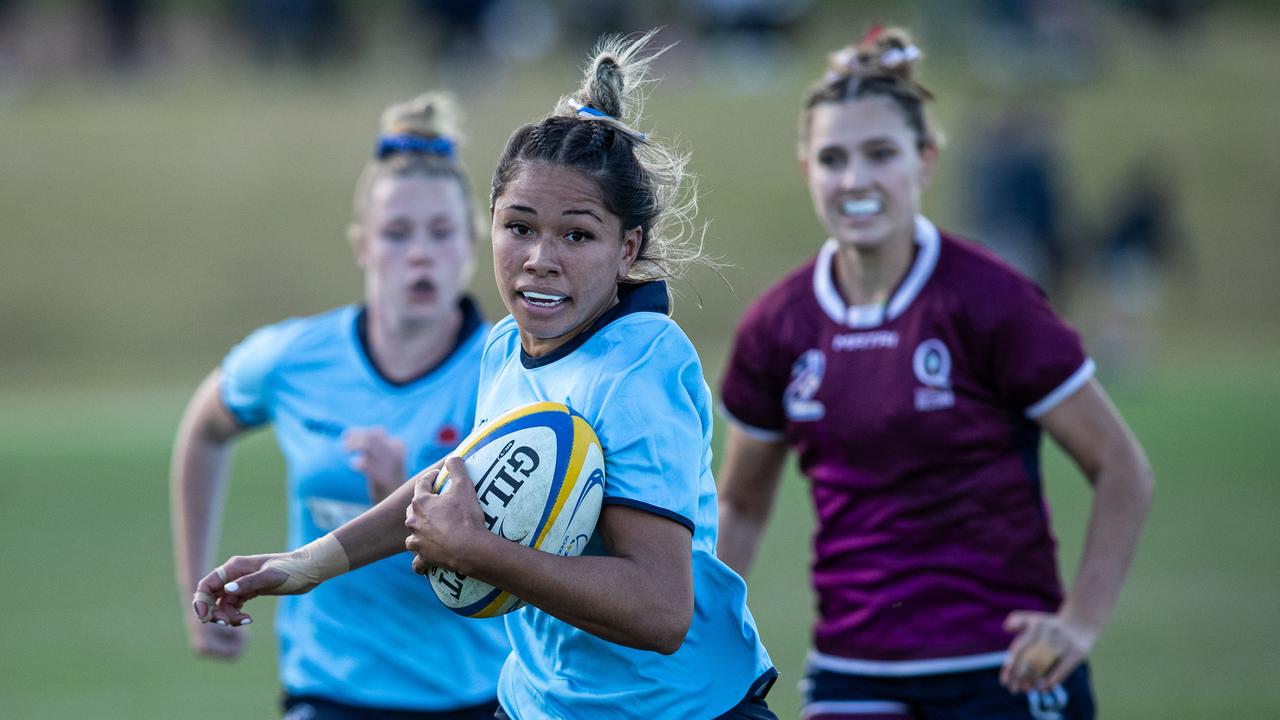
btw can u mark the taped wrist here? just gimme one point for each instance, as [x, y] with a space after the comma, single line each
[311, 564]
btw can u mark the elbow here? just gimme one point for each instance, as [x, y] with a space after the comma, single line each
[668, 626]
[1146, 483]
[1130, 480]
[1143, 483]
[670, 638]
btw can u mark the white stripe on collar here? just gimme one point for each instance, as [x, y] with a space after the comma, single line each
[864, 316]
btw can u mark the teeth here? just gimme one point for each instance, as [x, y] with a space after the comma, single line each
[542, 299]
[865, 206]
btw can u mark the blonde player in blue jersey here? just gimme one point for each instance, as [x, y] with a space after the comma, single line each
[358, 396]
[648, 624]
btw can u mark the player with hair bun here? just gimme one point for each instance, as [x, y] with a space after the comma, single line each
[357, 395]
[647, 623]
[913, 372]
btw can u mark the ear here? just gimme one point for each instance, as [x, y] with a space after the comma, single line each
[630, 250]
[928, 160]
[359, 243]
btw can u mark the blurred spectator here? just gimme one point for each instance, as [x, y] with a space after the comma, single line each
[1171, 17]
[313, 31]
[1017, 196]
[456, 22]
[11, 78]
[587, 20]
[1032, 42]
[1142, 242]
[474, 40]
[122, 26]
[745, 41]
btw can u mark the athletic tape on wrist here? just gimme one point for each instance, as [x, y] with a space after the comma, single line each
[310, 564]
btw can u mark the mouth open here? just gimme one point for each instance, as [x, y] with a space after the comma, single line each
[860, 207]
[542, 300]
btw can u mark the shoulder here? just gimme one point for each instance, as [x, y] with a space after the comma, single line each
[987, 288]
[502, 335]
[292, 337]
[783, 305]
[646, 341]
[969, 267]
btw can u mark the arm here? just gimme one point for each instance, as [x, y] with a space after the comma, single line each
[639, 595]
[749, 479]
[376, 534]
[1092, 433]
[197, 486]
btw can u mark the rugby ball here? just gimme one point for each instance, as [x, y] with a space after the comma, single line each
[538, 471]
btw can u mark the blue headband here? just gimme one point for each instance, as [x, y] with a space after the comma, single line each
[590, 112]
[392, 144]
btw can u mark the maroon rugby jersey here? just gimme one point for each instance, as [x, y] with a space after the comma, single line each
[915, 424]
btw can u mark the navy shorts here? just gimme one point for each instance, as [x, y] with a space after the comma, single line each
[950, 696]
[310, 707]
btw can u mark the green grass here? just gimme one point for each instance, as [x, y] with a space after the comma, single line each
[149, 226]
[91, 617]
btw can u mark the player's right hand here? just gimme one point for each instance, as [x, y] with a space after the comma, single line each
[221, 594]
[379, 457]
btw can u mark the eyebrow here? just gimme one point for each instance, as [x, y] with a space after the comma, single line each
[880, 140]
[583, 212]
[531, 211]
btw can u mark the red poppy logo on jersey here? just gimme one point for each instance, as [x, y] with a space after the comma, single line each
[932, 365]
[447, 435]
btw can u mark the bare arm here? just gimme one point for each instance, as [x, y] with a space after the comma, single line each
[639, 595]
[375, 534]
[197, 487]
[1091, 431]
[748, 485]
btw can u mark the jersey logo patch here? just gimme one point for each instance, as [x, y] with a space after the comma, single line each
[330, 514]
[1048, 705]
[873, 340]
[806, 378]
[932, 364]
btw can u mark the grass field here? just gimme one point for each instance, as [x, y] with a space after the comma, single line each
[91, 617]
[148, 225]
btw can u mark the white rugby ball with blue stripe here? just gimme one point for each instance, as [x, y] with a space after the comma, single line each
[538, 471]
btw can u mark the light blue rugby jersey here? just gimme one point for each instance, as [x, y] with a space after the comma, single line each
[377, 637]
[637, 379]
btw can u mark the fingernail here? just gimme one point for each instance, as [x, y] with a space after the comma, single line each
[233, 586]
[246, 621]
[223, 623]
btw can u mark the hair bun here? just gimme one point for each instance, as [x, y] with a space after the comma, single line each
[430, 115]
[882, 52]
[605, 85]
[615, 77]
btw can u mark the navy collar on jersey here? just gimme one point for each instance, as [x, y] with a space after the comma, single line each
[646, 297]
[865, 316]
[471, 319]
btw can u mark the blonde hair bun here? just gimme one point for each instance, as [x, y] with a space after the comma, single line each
[430, 115]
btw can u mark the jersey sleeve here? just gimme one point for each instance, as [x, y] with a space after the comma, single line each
[655, 432]
[247, 372]
[751, 391]
[1036, 359]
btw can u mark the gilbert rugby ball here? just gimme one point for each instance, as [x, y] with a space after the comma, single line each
[538, 471]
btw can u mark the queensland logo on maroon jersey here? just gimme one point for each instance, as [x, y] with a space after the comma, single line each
[806, 378]
[932, 364]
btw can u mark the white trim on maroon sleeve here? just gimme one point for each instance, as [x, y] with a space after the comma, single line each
[1063, 391]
